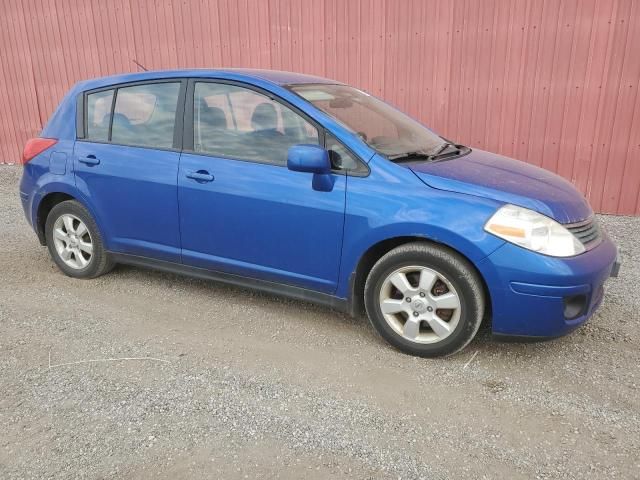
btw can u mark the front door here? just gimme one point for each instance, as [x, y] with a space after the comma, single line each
[241, 210]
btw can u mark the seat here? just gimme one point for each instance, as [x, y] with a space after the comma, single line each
[212, 117]
[120, 120]
[121, 129]
[264, 120]
[212, 124]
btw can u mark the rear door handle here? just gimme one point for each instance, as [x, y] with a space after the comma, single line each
[200, 176]
[89, 160]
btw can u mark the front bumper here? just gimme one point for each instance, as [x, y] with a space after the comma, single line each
[534, 295]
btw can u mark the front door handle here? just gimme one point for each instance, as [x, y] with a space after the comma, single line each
[200, 176]
[89, 160]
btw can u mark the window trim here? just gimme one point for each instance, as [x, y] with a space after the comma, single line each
[80, 123]
[179, 116]
[112, 112]
[188, 135]
[183, 127]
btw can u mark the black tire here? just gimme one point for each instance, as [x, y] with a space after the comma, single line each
[457, 270]
[99, 262]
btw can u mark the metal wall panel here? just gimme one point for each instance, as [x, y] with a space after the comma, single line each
[554, 83]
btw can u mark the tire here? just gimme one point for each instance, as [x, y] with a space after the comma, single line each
[415, 320]
[69, 244]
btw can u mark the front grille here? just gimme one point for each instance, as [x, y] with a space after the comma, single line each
[588, 232]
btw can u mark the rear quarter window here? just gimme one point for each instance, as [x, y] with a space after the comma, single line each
[99, 115]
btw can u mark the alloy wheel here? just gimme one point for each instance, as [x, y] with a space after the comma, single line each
[72, 241]
[420, 304]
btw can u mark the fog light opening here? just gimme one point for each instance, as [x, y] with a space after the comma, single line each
[575, 306]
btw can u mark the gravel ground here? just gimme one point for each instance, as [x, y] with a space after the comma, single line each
[244, 385]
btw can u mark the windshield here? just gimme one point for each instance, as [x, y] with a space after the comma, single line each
[387, 130]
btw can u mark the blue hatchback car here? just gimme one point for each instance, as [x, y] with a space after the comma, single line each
[310, 188]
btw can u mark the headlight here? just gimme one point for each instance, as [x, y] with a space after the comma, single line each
[533, 231]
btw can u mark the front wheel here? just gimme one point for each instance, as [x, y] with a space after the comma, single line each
[424, 299]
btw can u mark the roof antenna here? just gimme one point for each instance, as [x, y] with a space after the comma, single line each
[138, 64]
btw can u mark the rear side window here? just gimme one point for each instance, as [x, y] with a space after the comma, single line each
[99, 115]
[236, 122]
[145, 115]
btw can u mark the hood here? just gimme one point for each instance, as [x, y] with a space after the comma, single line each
[506, 180]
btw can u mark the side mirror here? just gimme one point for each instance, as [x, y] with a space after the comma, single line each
[308, 158]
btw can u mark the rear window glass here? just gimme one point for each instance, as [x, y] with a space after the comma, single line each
[145, 115]
[98, 115]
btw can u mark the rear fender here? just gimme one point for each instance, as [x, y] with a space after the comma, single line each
[60, 185]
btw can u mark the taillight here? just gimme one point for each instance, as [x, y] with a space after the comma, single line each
[35, 146]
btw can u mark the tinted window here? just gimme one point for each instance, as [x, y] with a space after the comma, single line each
[98, 115]
[341, 158]
[384, 128]
[145, 115]
[236, 122]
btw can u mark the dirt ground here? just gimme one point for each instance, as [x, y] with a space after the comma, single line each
[235, 384]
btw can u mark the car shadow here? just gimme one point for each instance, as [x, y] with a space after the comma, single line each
[484, 342]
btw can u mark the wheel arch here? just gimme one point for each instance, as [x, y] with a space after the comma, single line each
[376, 251]
[45, 206]
[49, 199]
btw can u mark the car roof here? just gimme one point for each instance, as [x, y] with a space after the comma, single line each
[276, 77]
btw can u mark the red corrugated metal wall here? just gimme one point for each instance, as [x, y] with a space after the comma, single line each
[554, 83]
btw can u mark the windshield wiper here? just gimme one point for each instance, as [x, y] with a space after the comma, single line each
[416, 155]
[442, 148]
[409, 156]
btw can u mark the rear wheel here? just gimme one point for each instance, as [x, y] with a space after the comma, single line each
[424, 299]
[74, 241]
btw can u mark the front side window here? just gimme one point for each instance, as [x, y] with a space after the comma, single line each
[236, 122]
[145, 115]
[99, 115]
[387, 130]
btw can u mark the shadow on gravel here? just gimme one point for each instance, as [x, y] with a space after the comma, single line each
[484, 342]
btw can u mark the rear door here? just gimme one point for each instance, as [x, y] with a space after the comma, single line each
[241, 210]
[127, 165]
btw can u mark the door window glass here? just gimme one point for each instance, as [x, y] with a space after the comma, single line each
[99, 115]
[237, 122]
[145, 115]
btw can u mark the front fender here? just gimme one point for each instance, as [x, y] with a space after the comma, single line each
[392, 202]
